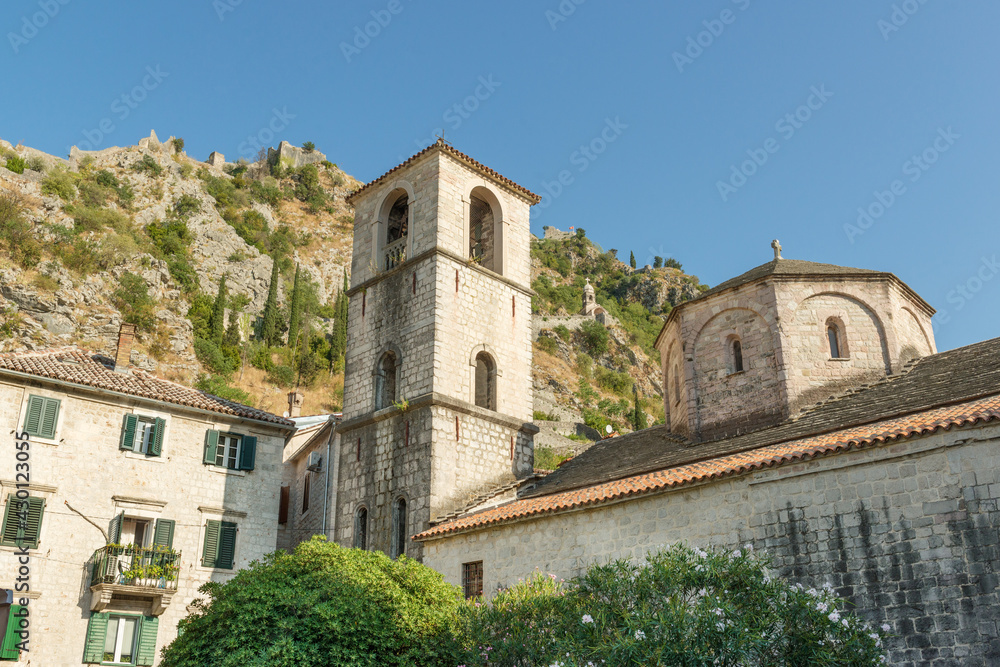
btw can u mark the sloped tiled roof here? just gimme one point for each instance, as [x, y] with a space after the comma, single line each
[878, 433]
[955, 376]
[462, 157]
[71, 364]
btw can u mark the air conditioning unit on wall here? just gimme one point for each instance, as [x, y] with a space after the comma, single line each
[315, 462]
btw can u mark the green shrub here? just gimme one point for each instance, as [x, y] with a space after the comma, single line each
[186, 206]
[91, 219]
[107, 179]
[538, 415]
[94, 195]
[16, 164]
[673, 264]
[322, 605]
[283, 376]
[547, 344]
[547, 459]
[115, 249]
[16, 235]
[178, 144]
[186, 170]
[584, 363]
[266, 192]
[595, 338]
[133, 300]
[183, 272]
[682, 606]
[224, 190]
[36, 163]
[218, 385]
[169, 237]
[327, 164]
[308, 147]
[61, 183]
[79, 255]
[613, 381]
[149, 166]
[563, 332]
[260, 357]
[214, 358]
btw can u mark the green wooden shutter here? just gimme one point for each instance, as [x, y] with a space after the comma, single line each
[156, 446]
[9, 522]
[50, 415]
[227, 546]
[146, 650]
[211, 445]
[129, 424]
[248, 452]
[33, 417]
[31, 533]
[211, 551]
[115, 528]
[97, 631]
[163, 533]
[8, 650]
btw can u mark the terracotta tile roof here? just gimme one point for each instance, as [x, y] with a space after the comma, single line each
[946, 378]
[440, 145]
[71, 364]
[879, 433]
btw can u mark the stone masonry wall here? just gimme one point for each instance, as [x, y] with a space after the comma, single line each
[83, 466]
[908, 532]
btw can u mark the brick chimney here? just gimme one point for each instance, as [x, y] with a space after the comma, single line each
[125, 337]
[295, 399]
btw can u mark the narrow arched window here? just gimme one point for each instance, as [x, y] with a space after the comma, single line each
[385, 381]
[398, 546]
[737, 356]
[481, 233]
[486, 383]
[394, 251]
[361, 528]
[833, 335]
[677, 385]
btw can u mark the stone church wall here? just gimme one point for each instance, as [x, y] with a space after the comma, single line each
[909, 533]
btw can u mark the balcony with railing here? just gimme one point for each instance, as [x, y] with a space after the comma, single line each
[394, 254]
[133, 571]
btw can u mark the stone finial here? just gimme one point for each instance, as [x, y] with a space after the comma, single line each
[777, 249]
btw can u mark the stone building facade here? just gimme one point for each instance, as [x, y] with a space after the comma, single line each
[131, 516]
[437, 390]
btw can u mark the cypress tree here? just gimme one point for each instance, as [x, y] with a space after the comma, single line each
[631, 259]
[217, 322]
[295, 310]
[269, 328]
[338, 341]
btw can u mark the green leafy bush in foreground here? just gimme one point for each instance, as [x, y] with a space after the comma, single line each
[682, 606]
[320, 605]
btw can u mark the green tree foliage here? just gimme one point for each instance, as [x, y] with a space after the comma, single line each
[295, 310]
[60, 182]
[178, 144]
[338, 337]
[595, 338]
[269, 328]
[682, 606]
[149, 166]
[218, 385]
[16, 237]
[673, 264]
[309, 188]
[16, 164]
[309, 147]
[631, 259]
[217, 324]
[657, 262]
[133, 300]
[186, 206]
[321, 605]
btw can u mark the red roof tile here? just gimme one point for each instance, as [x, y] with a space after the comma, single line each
[881, 432]
[71, 364]
[441, 145]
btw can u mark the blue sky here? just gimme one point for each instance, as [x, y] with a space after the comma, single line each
[648, 111]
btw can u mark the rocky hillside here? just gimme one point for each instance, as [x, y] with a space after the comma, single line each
[145, 233]
[586, 371]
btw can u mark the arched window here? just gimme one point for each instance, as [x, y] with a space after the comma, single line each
[677, 385]
[737, 355]
[398, 546]
[385, 381]
[833, 336]
[395, 232]
[486, 382]
[361, 528]
[481, 233]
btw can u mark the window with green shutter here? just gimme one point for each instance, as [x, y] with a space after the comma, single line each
[163, 533]
[41, 417]
[230, 450]
[143, 435]
[22, 521]
[220, 545]
[8, 650]
[121, 639]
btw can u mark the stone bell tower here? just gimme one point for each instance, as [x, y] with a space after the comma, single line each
[437, 388]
